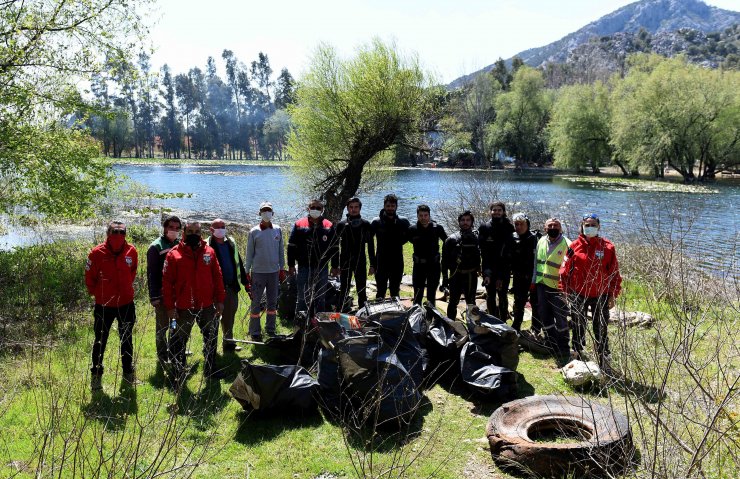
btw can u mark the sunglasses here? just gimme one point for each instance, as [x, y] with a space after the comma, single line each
[118, 232]
[592, 216]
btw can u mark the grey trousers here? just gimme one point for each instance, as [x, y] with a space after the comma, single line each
[262, 282]
[231, 304]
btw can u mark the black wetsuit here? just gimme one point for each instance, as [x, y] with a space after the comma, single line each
[354, 234]
[390, 234]
[461, 258]
[426, 259]
[521, 255]
[495, 237]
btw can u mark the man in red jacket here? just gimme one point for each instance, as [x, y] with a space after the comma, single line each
[590, 277]
[110, 271]
[193, 292]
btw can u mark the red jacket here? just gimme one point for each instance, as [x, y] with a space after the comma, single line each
[192, 279]
[109, 276]
[590, 268]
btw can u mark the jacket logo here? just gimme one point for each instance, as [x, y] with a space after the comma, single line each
[129, 260]
[207, 259]
[599, 254]
[88, 264]
[324, 238]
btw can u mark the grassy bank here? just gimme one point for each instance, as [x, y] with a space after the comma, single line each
[53, 427]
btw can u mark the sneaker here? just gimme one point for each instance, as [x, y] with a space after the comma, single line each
[96, 382]
[188, 352]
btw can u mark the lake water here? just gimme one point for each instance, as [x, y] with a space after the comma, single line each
[706, 223]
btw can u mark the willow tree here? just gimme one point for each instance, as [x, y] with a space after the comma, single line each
[348, 113]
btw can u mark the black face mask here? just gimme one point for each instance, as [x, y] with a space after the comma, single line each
[553, 233]
[192, 240]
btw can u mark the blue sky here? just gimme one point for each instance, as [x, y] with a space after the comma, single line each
[451, 38]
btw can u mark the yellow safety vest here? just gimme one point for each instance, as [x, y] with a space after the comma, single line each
[548, 265]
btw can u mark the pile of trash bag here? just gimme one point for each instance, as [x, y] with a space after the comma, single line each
[370, 367]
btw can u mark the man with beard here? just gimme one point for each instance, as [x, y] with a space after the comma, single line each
[494, 237]
[461, 260]
[110, 271]
[425, 236]
[355, 234]
[391, 233]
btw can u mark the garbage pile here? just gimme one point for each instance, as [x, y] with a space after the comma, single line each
[371, 367]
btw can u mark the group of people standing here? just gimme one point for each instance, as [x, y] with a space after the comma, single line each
[196, 281]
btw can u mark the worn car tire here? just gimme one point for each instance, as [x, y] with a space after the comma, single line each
[599, 437]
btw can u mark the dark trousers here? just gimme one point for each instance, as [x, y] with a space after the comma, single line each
[388, 276]
[426, 275]
[554, 318]
[497, 301]
[461, 284]
[103, 320]
[359, 270]
[231, 305]
[162, 324]
[599, 307]
[522, 294]
[181, 334]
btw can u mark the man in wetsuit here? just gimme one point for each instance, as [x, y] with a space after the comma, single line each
[391, 233]
[425, 236]
[355, 234]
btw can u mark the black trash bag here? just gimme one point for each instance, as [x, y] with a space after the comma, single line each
[265, 387]
[373, 378]
[444, 337]
[495, 338]
[293, 349]
[333, 297]
[485, 378]
[418, 322]
[328, 378]
[287, 298]
[397, 333]
[374, 307]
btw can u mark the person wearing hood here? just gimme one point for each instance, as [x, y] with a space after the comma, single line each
[265, 265]
[495, 237]
[355, 235]
[233, 272]
[391, 232]
[521, 257]
[590, 277]
[193, 292]
[461, 262]
[110, 271]
[312, 244]
[425, 236]
[155, 256]
[551, 251]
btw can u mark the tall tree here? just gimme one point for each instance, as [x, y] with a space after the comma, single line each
[521, 118]
[45, 47]
[170, 130]
[284, 89]
[579, 130]
[187, 100]
[348, 112]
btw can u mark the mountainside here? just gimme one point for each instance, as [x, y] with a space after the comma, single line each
[654, 16]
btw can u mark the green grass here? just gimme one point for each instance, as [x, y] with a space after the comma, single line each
[52, 425]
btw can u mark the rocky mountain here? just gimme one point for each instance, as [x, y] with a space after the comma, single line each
[656, 17]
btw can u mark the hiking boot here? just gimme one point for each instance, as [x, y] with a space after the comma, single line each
[96, 382]
[231, 347]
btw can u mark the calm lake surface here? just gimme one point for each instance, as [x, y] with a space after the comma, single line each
[705, 223]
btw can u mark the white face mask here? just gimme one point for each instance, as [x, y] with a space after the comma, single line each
[590, 231]
[314, 213]
[219, 232]
[266, 216]
[172, 235]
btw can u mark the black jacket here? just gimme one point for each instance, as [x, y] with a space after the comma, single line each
[313, 245]
[521, 253]
[154, 262]
[240, 275]
[495, 239]
[426, 240]
[460, 253]
[391, 235]
[354, 234]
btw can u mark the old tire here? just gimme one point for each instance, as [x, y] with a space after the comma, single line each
[592, 439]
